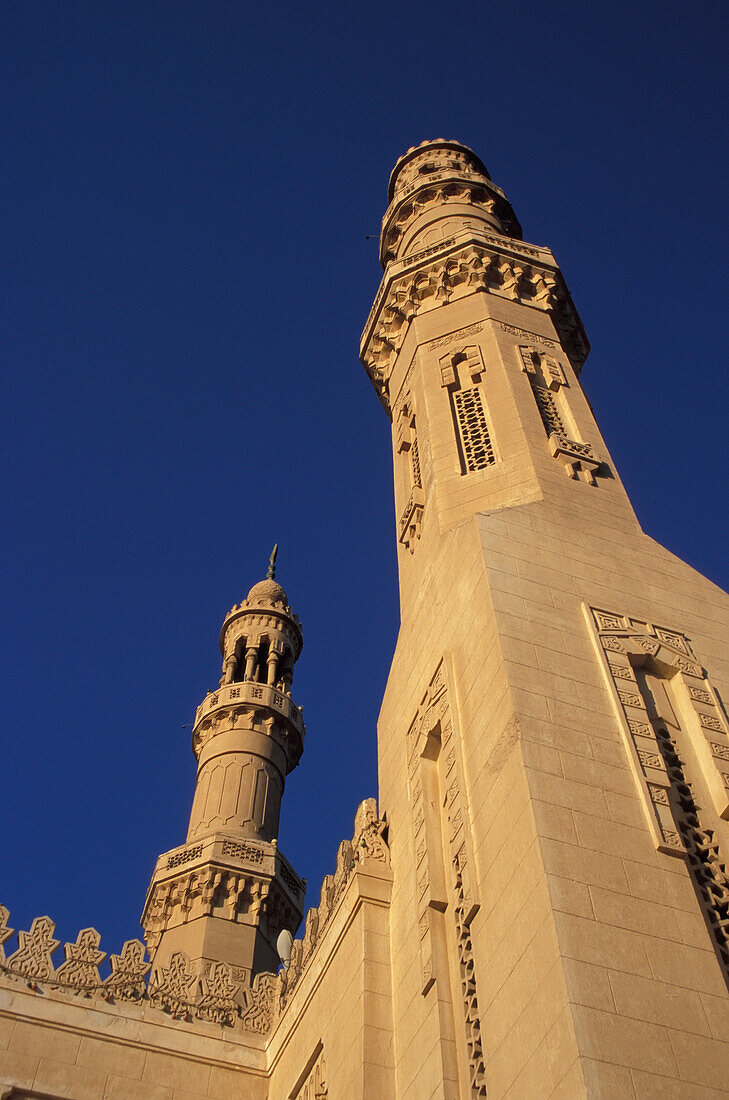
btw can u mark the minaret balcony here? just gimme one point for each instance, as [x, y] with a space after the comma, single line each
[255, 694]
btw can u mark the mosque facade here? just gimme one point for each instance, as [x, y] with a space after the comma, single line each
[537, 903]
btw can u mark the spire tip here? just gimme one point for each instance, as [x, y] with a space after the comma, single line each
[271, 574]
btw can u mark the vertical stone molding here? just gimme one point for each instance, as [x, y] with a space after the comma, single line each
[436, 778]
[406, 444]
[312, 1085]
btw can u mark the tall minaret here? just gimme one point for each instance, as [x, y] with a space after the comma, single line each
[227, 893]
[553, 748]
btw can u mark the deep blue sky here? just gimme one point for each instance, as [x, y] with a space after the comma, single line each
[187, 189]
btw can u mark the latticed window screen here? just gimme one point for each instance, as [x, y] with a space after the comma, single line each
[478, 450]
[547, 409]
[415, 460]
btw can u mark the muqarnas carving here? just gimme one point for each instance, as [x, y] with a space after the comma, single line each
[677, 738]
[461, 270]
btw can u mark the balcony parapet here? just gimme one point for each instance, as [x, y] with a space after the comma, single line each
[253, 693]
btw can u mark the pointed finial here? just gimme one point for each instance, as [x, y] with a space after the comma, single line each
[271, 574]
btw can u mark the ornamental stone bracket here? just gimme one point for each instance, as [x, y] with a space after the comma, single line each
[461, 266]
[579, 459]
[411, 520]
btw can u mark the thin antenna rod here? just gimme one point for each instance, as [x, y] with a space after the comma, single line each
[271, 574]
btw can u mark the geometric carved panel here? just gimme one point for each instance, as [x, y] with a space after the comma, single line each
[638, 659]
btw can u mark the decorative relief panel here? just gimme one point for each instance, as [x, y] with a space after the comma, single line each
[655, 721]
[455, 337]
[406, 444]
[461, 374]
[431, 737]
[533, 337]
[546, 377]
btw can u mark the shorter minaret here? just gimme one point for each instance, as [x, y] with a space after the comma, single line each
[228, 892]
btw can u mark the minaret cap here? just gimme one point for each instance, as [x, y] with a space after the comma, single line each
[268, 591]
[265, 596]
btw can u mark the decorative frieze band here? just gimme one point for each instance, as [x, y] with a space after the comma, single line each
[464, 268]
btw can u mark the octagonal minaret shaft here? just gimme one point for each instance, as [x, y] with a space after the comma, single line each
[227, 893]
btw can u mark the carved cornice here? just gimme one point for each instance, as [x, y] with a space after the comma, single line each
[460, 266]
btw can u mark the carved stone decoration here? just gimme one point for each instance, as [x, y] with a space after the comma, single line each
[258, 1014]
[170, 987]
[368, 844]
[434, 718]
[5, 931]
[218, 1004]
[672, 810]
[33, 960]
[411, 520]
[460, 268]
[128, 971]
[580, 460]
[311, 931]
[433, 722]
[476, 1063]
[368, 841]
[406, 443]
[83, 959]
[345, 863]
[707, 866]
[314, 1086]
[326, 900]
